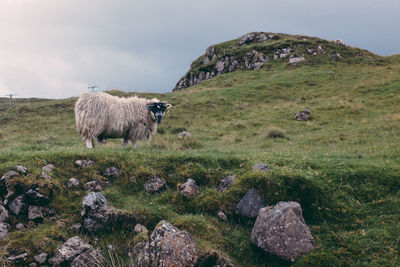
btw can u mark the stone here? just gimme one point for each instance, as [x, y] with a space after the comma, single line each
[76, 227]
[73, 183]
[19, 258]
[261, 167]
[48, 168]
[303, 115]
[210, 51]
[168, 247]
[189, 189]
[3, 229]
[282, 231]
[36, 213]
[74, 248]
[41, 258]
[96, 186]
[184, 134]
[222, 215]
[9, 175]
[84, 163]
[90, 258]
[32, 197]
[33, 264]
[96, 211]
[19, 226]
[140, 228]
[250, 204]
[154, 184]
[45, 176]
[225, 183]
[295, 60]
[3, 214]
[61, 224]
[21, 169]
[18, 206]
[112, 172]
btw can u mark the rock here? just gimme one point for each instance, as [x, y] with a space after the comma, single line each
[96, 186]
[61, 224]
[154, 184]
[222, 215]
[76, 227]
[303, 115]
[140, 228]
[189, 189]
[75, 248]
[96, 211]
[48, 168]
[3, 229]
[9, 175]
[72, 183]
[261, 167]
[184, 134]
[90, 258]
[18, 258]
[84, 163]
[3, 214]
[44, 175]
[33, 197]
[33, 264]
[281, 230]
[19, 226]
[295, 60]
[18, 206]
[21, 169]
[133, 179]
[168, 246]
[250, 204]
[210, 51]
[36, 213]
[112, 173]
[41, 258]
[247, 39]
[225, 183]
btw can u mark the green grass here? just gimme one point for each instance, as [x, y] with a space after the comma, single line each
[342, 166]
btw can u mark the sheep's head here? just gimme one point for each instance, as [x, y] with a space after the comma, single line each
[158, 109]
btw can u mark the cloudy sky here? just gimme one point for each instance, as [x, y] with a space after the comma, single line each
[57, 48]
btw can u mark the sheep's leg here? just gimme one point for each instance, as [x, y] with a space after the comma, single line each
[89, 142]
[134, 144]
[124, 142]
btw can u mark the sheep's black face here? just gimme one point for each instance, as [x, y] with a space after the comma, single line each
[158, 110]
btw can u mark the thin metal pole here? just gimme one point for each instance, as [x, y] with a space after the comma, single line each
[11, 103]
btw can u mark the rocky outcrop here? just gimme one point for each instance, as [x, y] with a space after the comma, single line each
[96, 212]
[76, 252]
[281, 230]
[168, 247]
[250, 204]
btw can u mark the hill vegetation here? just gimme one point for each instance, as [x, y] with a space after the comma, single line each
[341, 166]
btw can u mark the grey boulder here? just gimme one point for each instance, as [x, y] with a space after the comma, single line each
[189, 189]
[250, 204]
[225, 183]
[281, 230]
[96, 212]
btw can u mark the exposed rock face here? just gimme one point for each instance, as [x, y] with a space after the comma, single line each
[45, 176]
[303, 115]
[96, 212]
[75, 248]
[189, 189]
[84, 163]
[168, 247]
[281, 230]
[154, 184]
[112, 172]
[250, 204]
[225, 183]
[73, 183]
[261, 167]
[259, 38]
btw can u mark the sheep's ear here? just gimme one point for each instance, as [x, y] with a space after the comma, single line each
[148, 106]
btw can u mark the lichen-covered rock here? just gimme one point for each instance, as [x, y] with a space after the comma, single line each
[3, 229]
[261, 167]
[112, 172]
[96, 212]
[90, 258]
[3, 214]
[281, 230]
[250, 204]
[41, 258]
[9, 175]
[48, 168]
[140, 228]
[72, 249]
[18, 206]
[168, 247]
[225, 183]
[84, 163]
[303, 115]
[36, 213]
[189, 189]
[18, 258]
[154, 184]
[73, 183]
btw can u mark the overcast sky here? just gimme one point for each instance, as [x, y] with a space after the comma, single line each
[57, 48]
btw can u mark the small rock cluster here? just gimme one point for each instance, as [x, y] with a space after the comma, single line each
[304, 115]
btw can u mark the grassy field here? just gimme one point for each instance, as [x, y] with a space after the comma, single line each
[342, 166]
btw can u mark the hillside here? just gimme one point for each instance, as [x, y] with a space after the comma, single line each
[341, 166]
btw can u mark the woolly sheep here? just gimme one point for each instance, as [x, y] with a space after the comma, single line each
[105, 116]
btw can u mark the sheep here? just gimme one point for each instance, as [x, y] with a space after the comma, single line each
[105, 116]
[339, 42]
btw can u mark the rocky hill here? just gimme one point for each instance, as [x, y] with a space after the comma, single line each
[262, 49]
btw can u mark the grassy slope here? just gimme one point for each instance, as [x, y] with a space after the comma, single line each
[342, 166]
